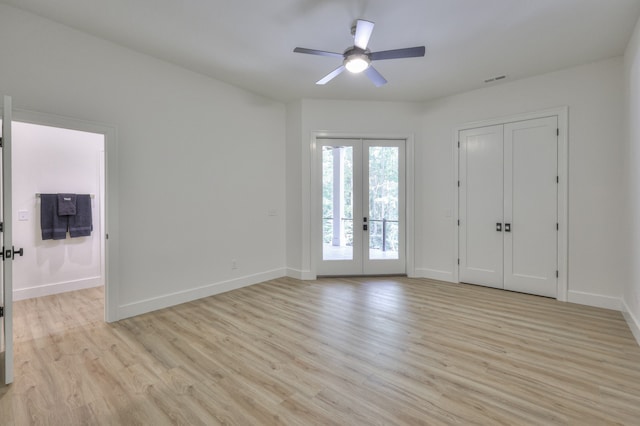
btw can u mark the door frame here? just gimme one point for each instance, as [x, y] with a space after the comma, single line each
[315, 216]
[563, 172]
[110, 237]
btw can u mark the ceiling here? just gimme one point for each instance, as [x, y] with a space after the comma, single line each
[249, 43]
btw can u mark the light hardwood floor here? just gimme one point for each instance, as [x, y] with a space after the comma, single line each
[366, 351]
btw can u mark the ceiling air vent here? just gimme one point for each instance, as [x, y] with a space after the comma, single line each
[498, 78]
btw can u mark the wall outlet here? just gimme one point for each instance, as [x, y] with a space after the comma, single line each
[234, 264]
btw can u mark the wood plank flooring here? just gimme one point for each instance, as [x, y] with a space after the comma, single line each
[365, 351]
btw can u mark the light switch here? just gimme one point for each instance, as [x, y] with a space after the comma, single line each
[23, 215]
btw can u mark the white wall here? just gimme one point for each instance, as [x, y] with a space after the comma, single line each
[594, 96]
[200, 163]
[354, 117]
[52, 160]
[294, 162]
[632, 252]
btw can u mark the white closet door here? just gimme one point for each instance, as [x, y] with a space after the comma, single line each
[530, 206]
[481, 206]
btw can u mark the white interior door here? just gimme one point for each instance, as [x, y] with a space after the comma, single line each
[530, 206]
[6, 349]
[481, 206]
[362, 190]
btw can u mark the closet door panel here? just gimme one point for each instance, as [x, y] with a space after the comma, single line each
[480, 206]
[530, 206]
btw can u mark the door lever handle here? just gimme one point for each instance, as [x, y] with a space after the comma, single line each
[499, 227]
[507, 227]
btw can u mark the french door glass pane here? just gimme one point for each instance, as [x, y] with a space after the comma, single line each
[384, 194]
[337, 203]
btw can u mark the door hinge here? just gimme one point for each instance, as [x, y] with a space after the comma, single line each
[557, 274]
[557, 226]
[0, 142]
[1, 227]
[558, 132]
[458, 222]
[458, 184]
[1, 311]
[458, 261]
[557, 179]
[458, 144]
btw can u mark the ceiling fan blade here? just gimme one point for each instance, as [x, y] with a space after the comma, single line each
[375, 76]
[363, 33]
[409, 52]
[318, 52]
[333, 74]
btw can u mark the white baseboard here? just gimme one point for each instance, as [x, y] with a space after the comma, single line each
[434, 274]
[55, 288]
[300, 275]
[161, 302]
[634, 323]
[597, 300]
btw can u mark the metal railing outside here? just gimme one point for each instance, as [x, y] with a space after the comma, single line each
[384, 227]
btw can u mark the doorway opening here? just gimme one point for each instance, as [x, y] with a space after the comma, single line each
[51, 155]
[52, 160]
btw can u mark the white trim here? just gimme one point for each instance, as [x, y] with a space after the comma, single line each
[55, 288]
[173, 299]
[563, 196]
[409, 196]
[110, 245]
[596, 300]
[409, 192]
[300, 275]
[435, 274]
[632, 321]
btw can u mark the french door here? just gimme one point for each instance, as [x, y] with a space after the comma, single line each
[6, 293]
[363, 207]
[508, 206]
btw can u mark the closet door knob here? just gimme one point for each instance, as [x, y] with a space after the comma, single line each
[507, 227]
[499, 227]
[20, 252]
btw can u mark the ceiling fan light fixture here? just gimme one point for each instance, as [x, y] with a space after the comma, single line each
[358, 58]
[357, 63]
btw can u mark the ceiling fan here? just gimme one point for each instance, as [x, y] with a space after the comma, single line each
[358, 58]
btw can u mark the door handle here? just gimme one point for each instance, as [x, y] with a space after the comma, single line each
[20, 252]
[364, 227]
[507, 227]
[499, 227]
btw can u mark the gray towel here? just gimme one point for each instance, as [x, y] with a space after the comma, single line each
[81, 224]
[66, 204]
[53, 227]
